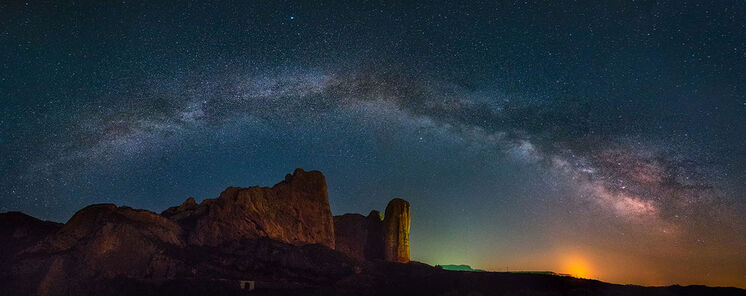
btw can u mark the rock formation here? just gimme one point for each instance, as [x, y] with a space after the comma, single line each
[19, 231]
[396, 224]
[281, 237]
[283, 234]
[358, 236]
[373, 238]
[294, 211]
[105, 227]
[99, 241]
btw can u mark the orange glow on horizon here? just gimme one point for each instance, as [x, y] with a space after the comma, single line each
[576, 266]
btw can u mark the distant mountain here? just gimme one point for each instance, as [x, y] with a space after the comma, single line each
[461, 267]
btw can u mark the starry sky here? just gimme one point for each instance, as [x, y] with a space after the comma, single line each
[605, 139]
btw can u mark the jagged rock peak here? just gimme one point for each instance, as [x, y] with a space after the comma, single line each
[188, 203]
[311, 182]
[295, 210]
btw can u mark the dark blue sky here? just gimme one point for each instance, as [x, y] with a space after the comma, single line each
[520, 132]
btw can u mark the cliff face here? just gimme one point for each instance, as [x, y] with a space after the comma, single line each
[358, 236]
[373, 238]
[294, 211]
[284, 235]
[396, 224]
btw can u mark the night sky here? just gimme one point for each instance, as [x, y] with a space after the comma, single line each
[605, 139]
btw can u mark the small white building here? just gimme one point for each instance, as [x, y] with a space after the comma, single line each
[247, 285]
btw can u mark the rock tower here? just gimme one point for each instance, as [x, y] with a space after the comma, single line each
[396, 223]
[375, 237]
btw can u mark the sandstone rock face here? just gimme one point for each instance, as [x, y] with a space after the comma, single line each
[294, 211]
[99, 241]
[396, 224]
[181, 211]
[373, 238]
[103, 227]
[358, 236]
[283, 235]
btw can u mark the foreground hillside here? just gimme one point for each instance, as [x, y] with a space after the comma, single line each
[281, 240]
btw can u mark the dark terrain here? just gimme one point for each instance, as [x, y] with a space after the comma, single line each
[284, 238]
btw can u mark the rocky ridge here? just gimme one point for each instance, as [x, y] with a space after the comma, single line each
[283, 238]
[294, 211]
[277, 234]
